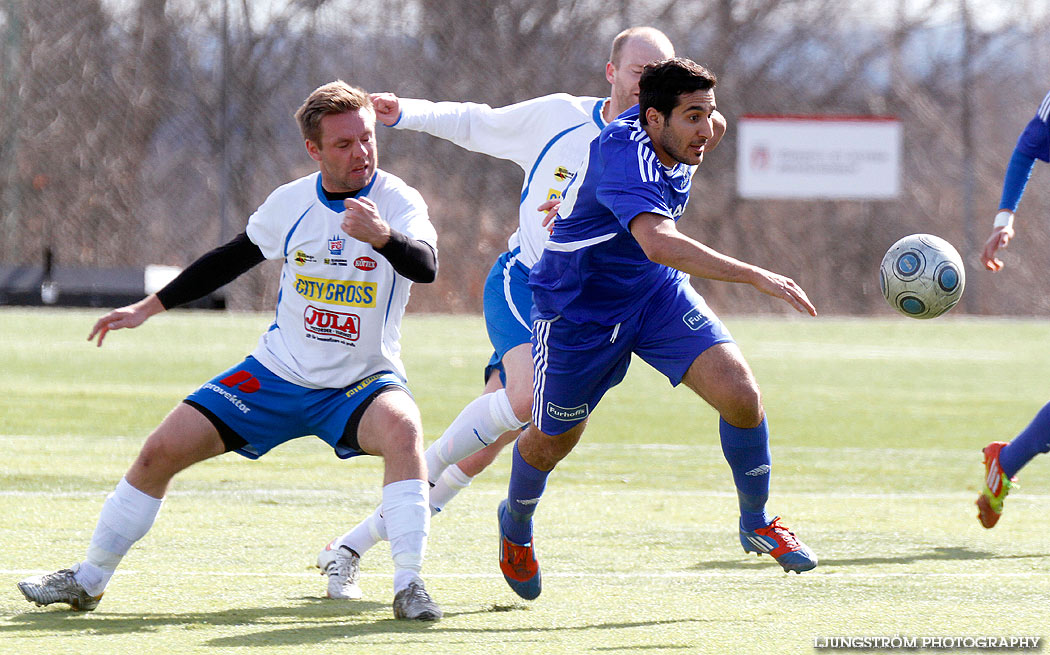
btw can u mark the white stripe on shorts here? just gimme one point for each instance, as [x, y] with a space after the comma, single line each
[506, 292]
[541, 329]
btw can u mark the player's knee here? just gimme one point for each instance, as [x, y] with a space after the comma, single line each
[520, 399]
[544, 451]
[403, 434]
[156, 463]
[744, 407]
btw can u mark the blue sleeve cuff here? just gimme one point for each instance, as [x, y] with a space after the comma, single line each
[1016, 179]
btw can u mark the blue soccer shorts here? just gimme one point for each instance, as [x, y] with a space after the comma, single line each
[254, 410]
[507, 305]
[577, 363]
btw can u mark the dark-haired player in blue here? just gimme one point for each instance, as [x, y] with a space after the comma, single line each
[1003, 460]
[614, 281]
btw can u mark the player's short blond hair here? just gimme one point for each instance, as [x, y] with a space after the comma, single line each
[336, 97]
[643, 32]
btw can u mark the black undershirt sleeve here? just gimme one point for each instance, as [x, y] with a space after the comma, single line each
[411, 258]
[211, 271]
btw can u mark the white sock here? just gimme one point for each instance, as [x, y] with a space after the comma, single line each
[452, 481]
[372, 530]
[406, 510]
[127, 515]
[365, 534]
[479, 424]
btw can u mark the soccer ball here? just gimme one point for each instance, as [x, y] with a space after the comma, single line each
[922, 276]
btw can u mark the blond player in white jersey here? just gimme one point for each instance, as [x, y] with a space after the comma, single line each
[548, 138]
[353, 239]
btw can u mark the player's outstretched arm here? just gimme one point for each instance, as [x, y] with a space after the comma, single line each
[130, 316]
[664, 244]
[210, 271]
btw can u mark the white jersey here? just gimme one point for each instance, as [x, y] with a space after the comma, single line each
[547, 137]
[340, 303]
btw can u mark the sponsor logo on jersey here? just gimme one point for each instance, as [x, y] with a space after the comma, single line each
[365, 263]
[553, 194]
[336, 292]
[338, 325]
[335, 261]
[562, 173]
[335, 244]
[694, 319]
[302, 258]
[567, 414]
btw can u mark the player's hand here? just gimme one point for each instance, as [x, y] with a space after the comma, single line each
[780, 286]
[999, 239]
[551, 207]
[361, 221]
[387, 106]
[130, 316]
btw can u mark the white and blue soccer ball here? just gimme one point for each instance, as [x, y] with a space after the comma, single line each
[922, 276]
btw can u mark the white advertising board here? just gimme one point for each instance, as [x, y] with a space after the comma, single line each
[819, 157]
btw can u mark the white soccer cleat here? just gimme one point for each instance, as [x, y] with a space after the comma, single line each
[343, 568]
[415, 604]
[58, 587]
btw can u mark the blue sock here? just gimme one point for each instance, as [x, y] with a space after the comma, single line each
[1033, 440]
[747, 451]
[526, 486]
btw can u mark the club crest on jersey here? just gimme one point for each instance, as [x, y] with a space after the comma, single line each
[335, 326]
[335, 245]
[562, 173]
[365, 264]
[302, 258]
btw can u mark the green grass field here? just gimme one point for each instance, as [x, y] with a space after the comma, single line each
[877, 429]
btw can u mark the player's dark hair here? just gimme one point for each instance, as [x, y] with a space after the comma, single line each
[336, 97]
[663, 82]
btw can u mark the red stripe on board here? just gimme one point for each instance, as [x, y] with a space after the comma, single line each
[820, 117]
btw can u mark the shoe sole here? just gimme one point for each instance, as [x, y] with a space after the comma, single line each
[427, 616]
[985, 514]
[74, 605]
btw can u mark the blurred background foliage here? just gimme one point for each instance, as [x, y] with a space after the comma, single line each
[139, 132]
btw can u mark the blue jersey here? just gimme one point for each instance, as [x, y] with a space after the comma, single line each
[1035, 140]
[592, 269]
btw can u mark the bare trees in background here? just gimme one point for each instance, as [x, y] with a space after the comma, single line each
[130, 130]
